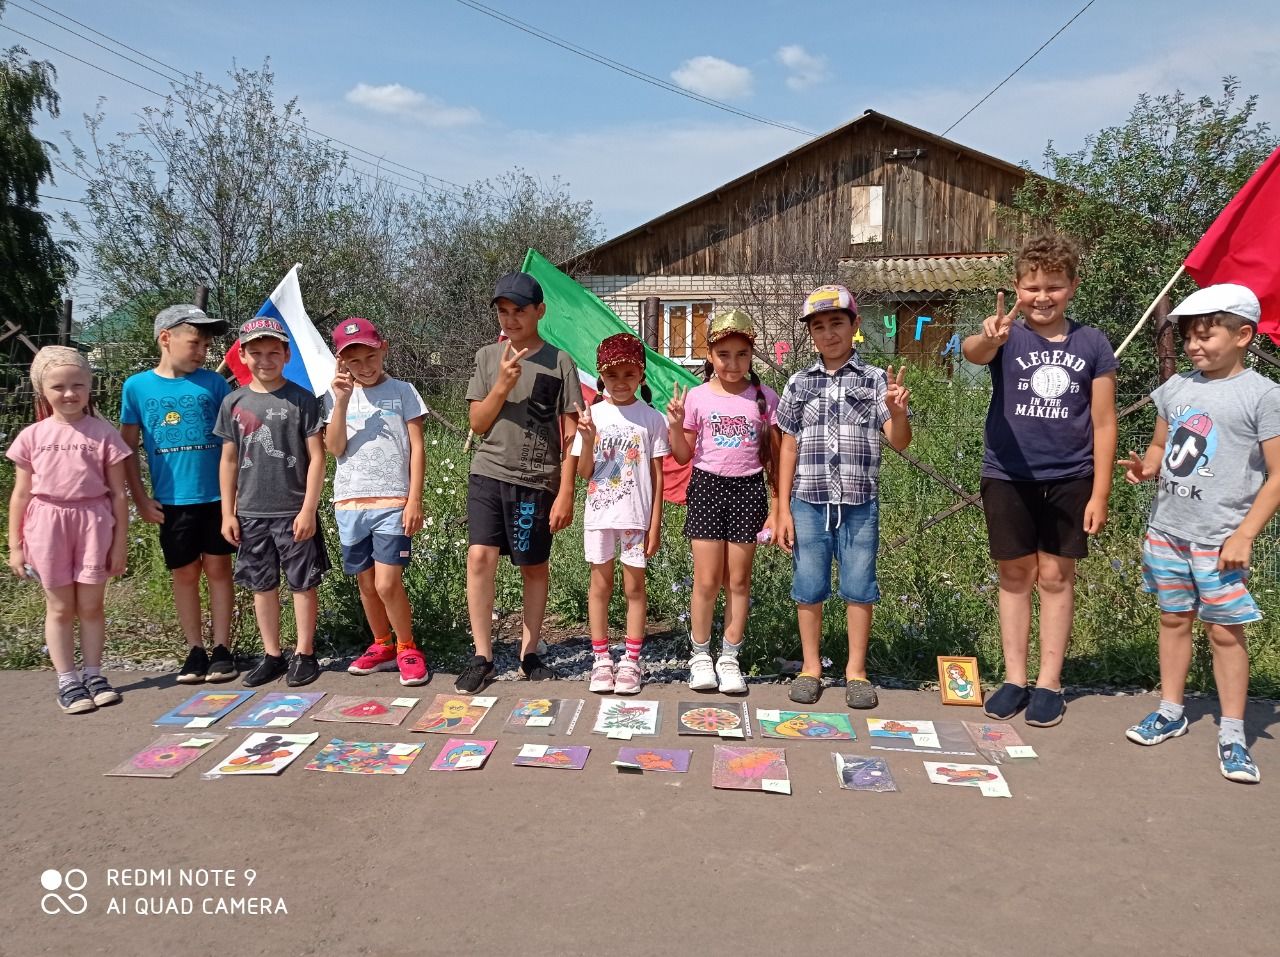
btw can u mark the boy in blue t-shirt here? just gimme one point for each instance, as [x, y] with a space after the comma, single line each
[171, 410]
[1052, 418]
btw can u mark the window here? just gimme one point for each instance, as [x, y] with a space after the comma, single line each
[683, 332]
[867, 214]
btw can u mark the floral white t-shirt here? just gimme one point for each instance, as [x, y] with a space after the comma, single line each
[628, 437]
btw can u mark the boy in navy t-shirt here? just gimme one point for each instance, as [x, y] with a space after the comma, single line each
[1052, 415]
[171, 411]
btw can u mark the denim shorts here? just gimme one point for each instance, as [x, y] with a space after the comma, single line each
[849, 534]
[371, 535]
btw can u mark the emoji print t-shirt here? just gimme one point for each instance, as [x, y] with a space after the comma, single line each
[176, 417]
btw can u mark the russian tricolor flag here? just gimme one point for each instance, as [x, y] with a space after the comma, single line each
[311, 364]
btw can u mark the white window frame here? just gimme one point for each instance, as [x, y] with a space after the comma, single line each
[664, 339]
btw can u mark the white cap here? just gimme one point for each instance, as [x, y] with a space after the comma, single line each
[1223, 297]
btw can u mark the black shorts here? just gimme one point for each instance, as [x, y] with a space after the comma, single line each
[267, 546]
[1028, 517]
[515, 518]
[725, 508]
[189, 531]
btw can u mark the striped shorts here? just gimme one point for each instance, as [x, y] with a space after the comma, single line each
[1185, 577]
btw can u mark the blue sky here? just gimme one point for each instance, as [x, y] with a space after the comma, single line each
[441, 87]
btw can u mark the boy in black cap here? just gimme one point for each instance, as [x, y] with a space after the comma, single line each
[524, 395]
[170, 410]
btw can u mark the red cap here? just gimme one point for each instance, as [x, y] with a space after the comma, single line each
[619, 349]
[355, 330]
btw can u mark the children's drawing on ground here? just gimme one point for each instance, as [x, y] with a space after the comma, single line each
[805, 725]
[729, 720]
[627, 715]
[546, 756]
[358, 709]
[654, 759]
[166, 755]
[985, 777]
[262, 753]
[454, 714]
[925, 737]
[277, 709]
[993, 739]
[545, 716]
[459, 755]
[750, 769]
[858, 773]
[203, 708]
[364, 757]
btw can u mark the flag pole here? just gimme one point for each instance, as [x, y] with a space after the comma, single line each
[1150, 309]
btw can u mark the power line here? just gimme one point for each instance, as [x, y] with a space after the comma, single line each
[1018, 68]
[196, 82]
[624, 68]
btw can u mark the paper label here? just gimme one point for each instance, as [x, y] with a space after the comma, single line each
[200, 723]
[994, 789]
[926, 740]
[533, 751]
[280, 722]
[620, 734]
[539, 721]
[404, 702]
[196, 743]
[400, 750]
[1021, 751]
[486, 702]
[772, 784]
[730, 733]
[765, 714]
[469, 761]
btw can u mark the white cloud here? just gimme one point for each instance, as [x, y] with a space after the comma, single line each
[396, 100]
[713, 77]
[807, 69]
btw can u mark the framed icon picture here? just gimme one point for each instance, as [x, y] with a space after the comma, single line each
[958, 680]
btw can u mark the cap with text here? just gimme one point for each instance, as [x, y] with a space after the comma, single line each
[260, 326]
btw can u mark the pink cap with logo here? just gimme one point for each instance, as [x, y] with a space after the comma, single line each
[355, 330]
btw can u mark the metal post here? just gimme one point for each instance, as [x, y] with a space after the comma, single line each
[202, 297]
[64, 332]
[1166, 351]
[651, 321]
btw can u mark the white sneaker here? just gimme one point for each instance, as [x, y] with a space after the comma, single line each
[602, 676]
[629, 677]
[702, 673]
[730, 675]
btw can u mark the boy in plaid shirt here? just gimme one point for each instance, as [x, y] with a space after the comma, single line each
[831, 416]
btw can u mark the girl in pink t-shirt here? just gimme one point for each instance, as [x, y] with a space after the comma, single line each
[726, 427]
[68, 519]
[619, 449]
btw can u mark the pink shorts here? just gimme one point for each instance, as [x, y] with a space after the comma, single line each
[601, 544]
[68, 542]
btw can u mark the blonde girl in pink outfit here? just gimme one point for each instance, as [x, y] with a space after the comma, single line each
[68, 519]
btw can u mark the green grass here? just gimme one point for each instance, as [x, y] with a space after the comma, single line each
[939, 594]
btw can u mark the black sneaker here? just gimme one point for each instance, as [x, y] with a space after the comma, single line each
[1006, 701]
[478, 670]
[1045, 708]
[222, 667]
[268, 668]
[75, 699]
[100, 690]
[303, 669]
[194, 668]
[533, 669]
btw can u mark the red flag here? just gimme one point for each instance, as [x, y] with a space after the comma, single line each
[1243, 244]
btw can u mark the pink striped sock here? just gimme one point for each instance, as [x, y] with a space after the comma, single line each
[600, 647]
[633, 647]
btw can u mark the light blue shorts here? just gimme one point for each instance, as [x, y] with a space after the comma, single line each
[371, 535]
[847, 534]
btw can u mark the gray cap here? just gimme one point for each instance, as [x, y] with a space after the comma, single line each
[192, 315]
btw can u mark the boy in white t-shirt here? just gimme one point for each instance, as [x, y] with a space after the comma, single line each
[375, 431]
[628, 439]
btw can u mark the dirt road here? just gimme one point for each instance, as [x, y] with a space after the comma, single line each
[1105, 847]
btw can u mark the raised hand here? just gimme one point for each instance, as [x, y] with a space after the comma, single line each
[343, 382]
[1135, 469]
[586, 428]
[897, 394]
[996, 328]
[675, 408]
[509, 367]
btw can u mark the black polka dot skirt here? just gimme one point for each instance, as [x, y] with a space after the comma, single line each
[725, 508]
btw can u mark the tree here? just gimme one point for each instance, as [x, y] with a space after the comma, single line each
[1138, 196]
[34, 268]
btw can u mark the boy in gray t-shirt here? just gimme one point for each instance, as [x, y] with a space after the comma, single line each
[1216, 456]
[271, 476]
